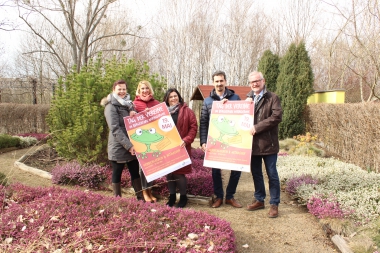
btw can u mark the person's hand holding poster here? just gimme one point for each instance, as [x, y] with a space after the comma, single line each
[229, 141]
[156, 141]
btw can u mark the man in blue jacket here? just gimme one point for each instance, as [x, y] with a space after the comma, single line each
[219, 93]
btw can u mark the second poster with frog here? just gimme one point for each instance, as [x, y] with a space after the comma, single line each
[229, 141]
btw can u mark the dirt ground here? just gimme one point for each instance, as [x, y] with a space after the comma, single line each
[295, 230]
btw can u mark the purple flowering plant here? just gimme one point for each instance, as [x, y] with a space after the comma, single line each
[323, 207]
[293, 183]
[92, 176]
[199, 181]
[73, 173]
[50, 219]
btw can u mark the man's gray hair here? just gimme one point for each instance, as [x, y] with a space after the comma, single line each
[254, 73]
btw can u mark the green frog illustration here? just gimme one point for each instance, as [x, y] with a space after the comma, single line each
[147, 137]
[225, 127]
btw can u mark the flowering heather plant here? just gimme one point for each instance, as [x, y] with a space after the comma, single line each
[322, 207]
[54, 219]
[199, 181]
[88, 175]
[293, 183]
[38, 136]
[197, 154]
[355, 189]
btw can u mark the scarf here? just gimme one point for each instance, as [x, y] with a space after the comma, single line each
[146, 98]
[125, 101]
[173, 109]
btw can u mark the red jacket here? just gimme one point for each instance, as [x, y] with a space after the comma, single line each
[187, 127]
[140, 105]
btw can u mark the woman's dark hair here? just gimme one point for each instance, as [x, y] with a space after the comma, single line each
[167, 94]
[121, 81]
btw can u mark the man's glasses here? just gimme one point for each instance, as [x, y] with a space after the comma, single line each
[256, 81]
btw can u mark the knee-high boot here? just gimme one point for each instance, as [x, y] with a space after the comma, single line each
[172, 199]
[116, 189]
[182, 201]
[136, 183]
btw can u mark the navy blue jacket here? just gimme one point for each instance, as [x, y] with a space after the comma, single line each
[206, 111]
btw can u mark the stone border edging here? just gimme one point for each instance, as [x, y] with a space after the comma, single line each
[19, 164]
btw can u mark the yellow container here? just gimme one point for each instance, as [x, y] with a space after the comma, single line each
[330, 96]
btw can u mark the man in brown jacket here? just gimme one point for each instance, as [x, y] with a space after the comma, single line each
[265, 146]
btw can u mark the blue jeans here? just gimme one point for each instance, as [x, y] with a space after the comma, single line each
[258, 179]
[218, 183]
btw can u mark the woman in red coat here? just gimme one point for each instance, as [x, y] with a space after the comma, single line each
[186, 122]
[144, 99]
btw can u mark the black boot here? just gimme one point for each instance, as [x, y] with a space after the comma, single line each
[182, 201]
[136, 183]
[116, 189]
[172, 199]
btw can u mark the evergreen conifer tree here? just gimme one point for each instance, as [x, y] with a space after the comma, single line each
[294, 86]
[76, 118]
[269, 66]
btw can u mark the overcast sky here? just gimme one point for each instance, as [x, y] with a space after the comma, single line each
[141, 10]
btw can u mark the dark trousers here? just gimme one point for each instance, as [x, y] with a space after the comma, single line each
[218, 183]
[270, 162]
[117, 169]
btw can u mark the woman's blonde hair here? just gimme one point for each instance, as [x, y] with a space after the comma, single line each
[147, 84]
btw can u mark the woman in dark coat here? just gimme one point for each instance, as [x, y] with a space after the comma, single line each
[186, 122]
[120, 149]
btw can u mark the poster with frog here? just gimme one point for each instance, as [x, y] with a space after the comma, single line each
[229, 141]
[156, 141]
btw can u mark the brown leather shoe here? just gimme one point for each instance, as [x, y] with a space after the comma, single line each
[218, 202]
[273, 211]
[233, 203]
[256, 205]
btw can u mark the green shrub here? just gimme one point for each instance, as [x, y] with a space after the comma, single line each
[269, 66]
[3, 179]
[7, 141]
[76, 119]
[294, 86]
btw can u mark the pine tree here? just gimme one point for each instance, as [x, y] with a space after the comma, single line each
[269, 66]
[76, 118]
[294, 86]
